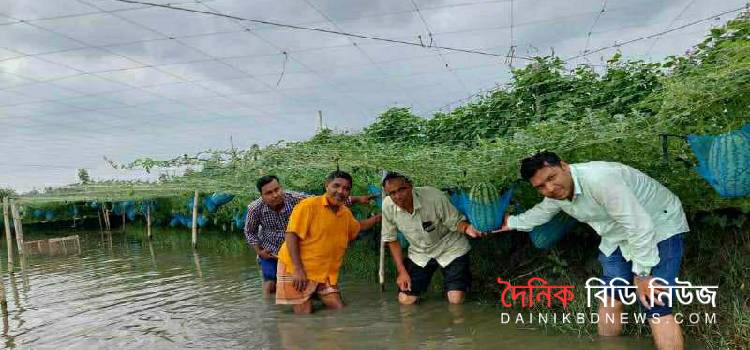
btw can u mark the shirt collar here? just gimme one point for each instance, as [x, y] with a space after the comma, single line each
[323, 201]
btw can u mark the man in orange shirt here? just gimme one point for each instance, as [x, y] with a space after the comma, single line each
[317, 235]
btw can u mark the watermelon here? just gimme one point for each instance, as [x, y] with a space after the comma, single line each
[486, 209]
[724, 161]
[547, 235]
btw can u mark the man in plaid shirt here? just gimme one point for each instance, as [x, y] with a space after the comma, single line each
[266, 220]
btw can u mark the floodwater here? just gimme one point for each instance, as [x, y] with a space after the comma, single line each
[117, 290]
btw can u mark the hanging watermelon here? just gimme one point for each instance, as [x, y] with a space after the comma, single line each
[724, 161]
[486, 209]
[547, 235]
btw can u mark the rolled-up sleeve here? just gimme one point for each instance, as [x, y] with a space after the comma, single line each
[388, 227]
[540, 214]
[623, 207]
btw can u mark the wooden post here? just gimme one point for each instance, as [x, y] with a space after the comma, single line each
[8, 239]
[123, 221]
[195, 219]
[99, 215]
[18, 225]
[148, 220]
[105, 212]
[381, 271]
[107, 219]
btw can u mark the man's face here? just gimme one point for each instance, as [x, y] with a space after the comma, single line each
[554, 181]
[400, 192]
[337, 191]
[272, 194]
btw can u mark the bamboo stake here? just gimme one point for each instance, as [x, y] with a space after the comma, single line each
[148, 221]
[105, 211]
[18, 225]
[381, 271]
[3, 298]
[8, 239]
[123, 221]
[99, 215]
[195, 219]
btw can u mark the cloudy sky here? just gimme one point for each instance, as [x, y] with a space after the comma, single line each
[81, 79]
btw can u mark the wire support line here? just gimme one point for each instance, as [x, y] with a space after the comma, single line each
[658, 34]
[321, 30]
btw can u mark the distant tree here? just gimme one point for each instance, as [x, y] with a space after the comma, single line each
[83, 176]
[7, 192]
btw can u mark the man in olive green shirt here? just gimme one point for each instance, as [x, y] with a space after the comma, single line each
[641, 224]
[436, 233]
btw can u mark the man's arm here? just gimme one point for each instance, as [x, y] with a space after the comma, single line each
[292, 245]
[366, 224]
[251, 228]
[361, 199]
[403, 280]
[540, 214]
[454, 220]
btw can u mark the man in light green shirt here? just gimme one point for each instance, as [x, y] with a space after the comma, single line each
[436, 233]
[639, 220]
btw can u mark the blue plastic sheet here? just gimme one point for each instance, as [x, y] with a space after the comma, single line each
[221, 198]
[460, 199]
[724, 161]
[239, 220]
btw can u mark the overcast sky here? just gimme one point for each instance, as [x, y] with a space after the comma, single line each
[80, 79]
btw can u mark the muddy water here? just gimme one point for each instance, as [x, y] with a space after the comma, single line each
[120, 291]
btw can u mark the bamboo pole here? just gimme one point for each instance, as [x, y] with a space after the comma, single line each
[8, 238]
[3, 298]
[148, 220]
[123, 221]
[107, 219]
[381, 270]
[18, 225]
[99, 215]
[195, 219]
[105, 212]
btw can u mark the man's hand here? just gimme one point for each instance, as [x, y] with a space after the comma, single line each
[504, 227]
[644, 291]
[403, 281]
[473, 232]
[266, 254]
[299, 280]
